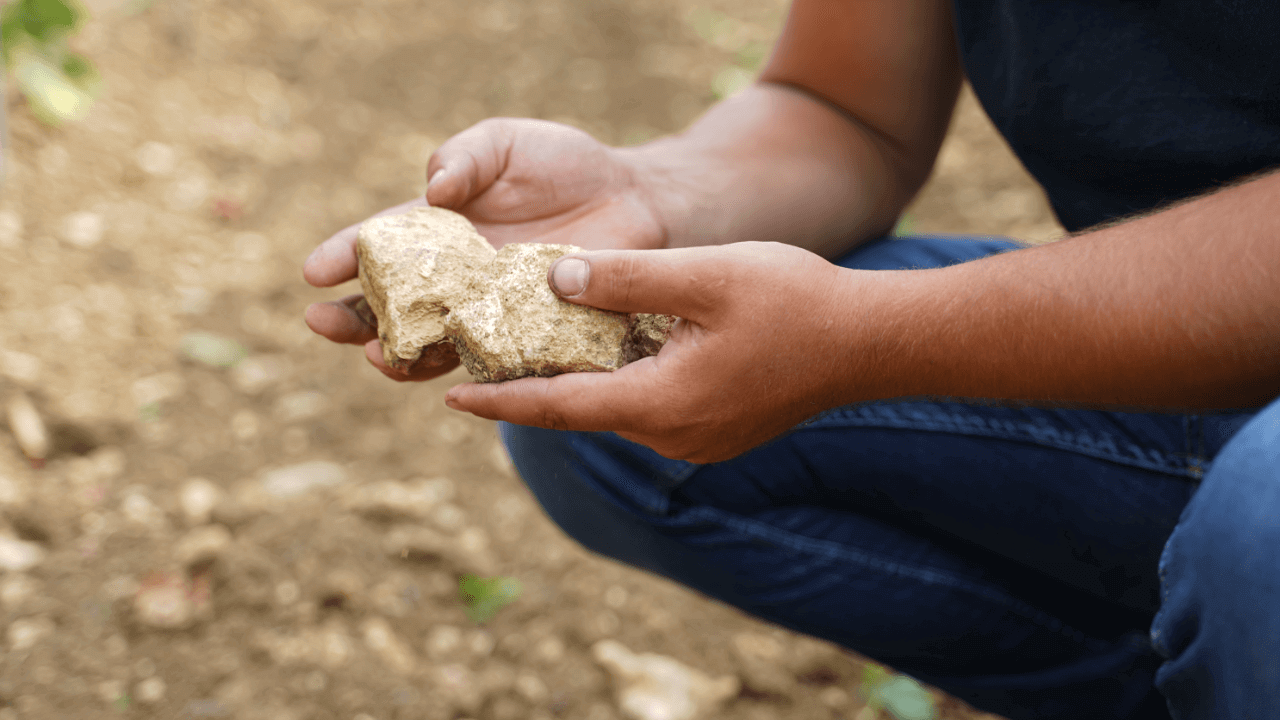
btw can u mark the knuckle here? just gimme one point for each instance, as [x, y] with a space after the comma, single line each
[549, 414]
[552, 419]
[622, 279]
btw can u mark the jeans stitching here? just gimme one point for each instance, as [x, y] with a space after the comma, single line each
[761, 531]
[1015, 431]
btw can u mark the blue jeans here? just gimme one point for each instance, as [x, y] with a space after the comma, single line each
[1019, 558]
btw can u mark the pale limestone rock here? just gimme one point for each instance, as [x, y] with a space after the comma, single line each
[164, 602]
[202, 545]
[393, 500]
[513, 326]
[412, 266]
[198, 499]
[24, 633]
[150, 691]
[298, 480]
[28, 427]
[430, 285]
[383, 641]
[19, 555]
[656, 687]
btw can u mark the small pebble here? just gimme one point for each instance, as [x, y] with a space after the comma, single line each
[198, 498]
[20, 366]
[296, 480]
[156, 158]
[259, 372]
[380, 638]
[202, 545]
[300, 406]
[24, 633]
[138, 509]
[83, 229]
[28, 427]
[19, 555]
[442, 640]
[163, 602]
[150, 691]
[15, 590]
[10, 229]
[657, 687]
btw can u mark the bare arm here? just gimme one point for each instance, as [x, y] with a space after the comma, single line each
[828, 148]
[1177, 310]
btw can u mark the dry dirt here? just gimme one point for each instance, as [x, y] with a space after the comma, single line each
[231, 137]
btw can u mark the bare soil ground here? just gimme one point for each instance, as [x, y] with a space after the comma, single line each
[154, 567]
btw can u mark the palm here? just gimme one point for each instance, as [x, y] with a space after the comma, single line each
[518, 181]
[553, 184]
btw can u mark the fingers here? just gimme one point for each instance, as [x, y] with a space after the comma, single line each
[574, 401]
[436, 360]
[468, 163]
[347, 321]
[687, 282]
[333, 262]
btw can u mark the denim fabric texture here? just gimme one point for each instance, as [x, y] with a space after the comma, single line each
[1009, 555]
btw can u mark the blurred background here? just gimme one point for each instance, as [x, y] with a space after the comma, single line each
[208, 512]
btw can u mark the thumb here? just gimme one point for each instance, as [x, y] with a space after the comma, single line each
[468, 163]
[686, 282]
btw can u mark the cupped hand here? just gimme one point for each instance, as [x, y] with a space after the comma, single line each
[767, 336]
[517, 181]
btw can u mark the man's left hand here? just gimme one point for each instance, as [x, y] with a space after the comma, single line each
[761, 343]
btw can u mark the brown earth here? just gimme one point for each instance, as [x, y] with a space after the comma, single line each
[232, 137]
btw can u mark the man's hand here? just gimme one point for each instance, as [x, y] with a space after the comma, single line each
[518, 181]
[763, 335]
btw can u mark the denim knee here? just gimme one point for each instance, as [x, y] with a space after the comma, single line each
[1219, 621]
[600, 493]
[544, 460]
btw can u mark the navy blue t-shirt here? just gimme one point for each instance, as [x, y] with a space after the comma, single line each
[1121, 106]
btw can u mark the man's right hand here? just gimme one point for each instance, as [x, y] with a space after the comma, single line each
[517, 181]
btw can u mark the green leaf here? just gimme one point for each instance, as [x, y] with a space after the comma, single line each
[53, 97]
[730, 81]
[484, 597]
[906, 225]
[905, 699]
[11, 33]
[873, 676]
[76, 66]
[44, 19]
[752, 55]
[212, 350]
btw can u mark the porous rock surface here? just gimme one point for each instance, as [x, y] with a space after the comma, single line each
[431, 284]
[413, 268]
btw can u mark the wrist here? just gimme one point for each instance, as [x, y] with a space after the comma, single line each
[883, 323]
[664, 180]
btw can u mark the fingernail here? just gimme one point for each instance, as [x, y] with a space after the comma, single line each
[569, 276]
[434, 178]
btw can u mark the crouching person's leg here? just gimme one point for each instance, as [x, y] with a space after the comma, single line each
[774, 546]
[1219, 621]
[602, 491]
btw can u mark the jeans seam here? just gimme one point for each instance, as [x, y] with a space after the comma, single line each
[763, 532]
[1188, 467]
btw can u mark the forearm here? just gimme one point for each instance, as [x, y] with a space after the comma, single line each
[776, 164]
[1178, 310]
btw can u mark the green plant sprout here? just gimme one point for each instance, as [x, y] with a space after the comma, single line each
[484, 597]
[59, 84]
[899, 695]
[906, 225]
